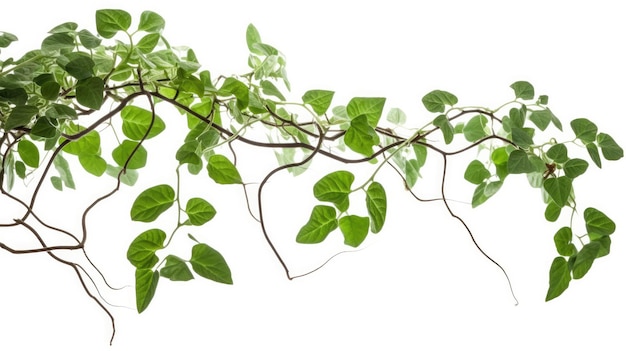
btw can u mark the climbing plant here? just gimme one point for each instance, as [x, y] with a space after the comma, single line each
[88, 102]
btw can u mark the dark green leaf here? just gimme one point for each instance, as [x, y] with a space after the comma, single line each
[585, 258]
[80, 67]
[130, 154]
[57, 42]
[563, 242]
[575, 167]
[558, 153]
[372, 108]
[519, 163]
[553, 211]
[335, 187]
[376, 203]
[141, 252]
[523, 90]
[17, 96]
[610, 150]
[145, 286]
[484, 191]
[559, 189]
[188, 153]
[90, 92]
[199, 211]
[58, 111]
[592, 149]
[323, 220]
[232, 86]
[6, 39]
[43, 128]
[559, 278]
[109, 22]
[354, 229]
[445, 126]
[361, 137]
[153, 201]
[474, 130]
[522, 137]
[476, 172]
[210, 264]
[50, 90]
[222, 171]
[605, 246]
[29, 153]
[437, 100]
[139, 124]
[176, 269]
[319, 100]
[20, 116]
[597, 222]
[151, 22]
[584, 129]
[541, 118]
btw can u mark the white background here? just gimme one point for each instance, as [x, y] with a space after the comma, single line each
[419, 284]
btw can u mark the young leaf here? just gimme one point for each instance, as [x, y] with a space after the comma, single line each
[176, 269]
[323, 220]
[376, 203]
[523, 90]
[139, 124]
[130, 154]
[610, 150]
[222, 171]
[436, 100]
[199, 211]
[361, 137]
[559, 189]
[141, 252]
[153, 201]
[109, 22]
[559, 278]
[372, 108]
[585, 258]
[319, 100]
[151, 22]
[210, 264]
[354, 229]
[334, 187]
[145, 286]
[476, 172]
[597, 222]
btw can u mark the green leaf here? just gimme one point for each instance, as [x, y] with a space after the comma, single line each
[563, 242]
[553, 211]
[376, 203]
[153, 201]
[584, 129]
[476, 172]
[88, 144]
[585, 258]
[93, 164]
[199, 211]
[558, 153]
[130, 154]
[523, 90]
[20, 116]
[484, 191]
[354, 229]
[610, 150]
[605, 246]
[109, 22]
[88, 40]
[445, 126]
[541, 118]
[176, 269]
[361, 137]
[323, 220]
[335, 187]
[29, 153]
[148, 42]
[597, 222]
[559, 189]
[6, 39]
[50, 90]
[232, 86]
[372, 108]
[57, 42]
[210, 264]
[253, 40]
[522, 137]
[559, 278]
[436, 100]
[63, 167]
[141, 252]
[319, 100]
[222, 171]
[519, 163]
[58, 111]
[126, 176]
[575, 167]
[138, 123]
[80, 67]
[151, 22]
[145, 286]
[396, 116]
[474, 130]
[90, 92]
[270, 89]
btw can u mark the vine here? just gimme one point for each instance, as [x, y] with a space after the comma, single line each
[53, 112]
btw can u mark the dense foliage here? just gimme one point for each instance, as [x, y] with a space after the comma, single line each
[49, 97]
